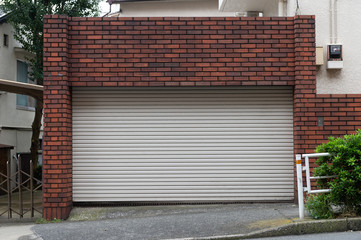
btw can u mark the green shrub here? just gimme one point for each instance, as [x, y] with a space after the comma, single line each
[319, 206]
[344, 162]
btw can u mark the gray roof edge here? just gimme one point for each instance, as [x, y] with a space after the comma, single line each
[3, 16]
[123, 1]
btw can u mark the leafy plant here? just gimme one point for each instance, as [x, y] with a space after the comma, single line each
[319, 206]
[44, 221]
[345, 164]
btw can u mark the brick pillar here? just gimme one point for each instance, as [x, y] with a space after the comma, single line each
[305, 83]
[305, 120]
[57, 154]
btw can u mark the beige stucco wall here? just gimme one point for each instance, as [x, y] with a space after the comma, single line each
[177, 8]
[348, 79]
[15, 124]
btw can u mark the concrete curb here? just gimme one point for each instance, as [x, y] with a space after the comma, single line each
[297, 228]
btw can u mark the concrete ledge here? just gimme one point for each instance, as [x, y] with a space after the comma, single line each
[300, 228]
[297, 228]
[354, 224]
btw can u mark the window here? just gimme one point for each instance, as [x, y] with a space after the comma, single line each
[6, 40]
[23, 76]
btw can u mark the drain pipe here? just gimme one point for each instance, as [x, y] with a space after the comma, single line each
[282, 8]
[331, 22]
[335, 20]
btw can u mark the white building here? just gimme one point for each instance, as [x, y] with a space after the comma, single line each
[16, 111]
[336, 23]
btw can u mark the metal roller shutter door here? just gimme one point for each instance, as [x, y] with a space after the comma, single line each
[209, 144]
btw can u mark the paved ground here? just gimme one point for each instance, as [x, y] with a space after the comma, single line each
[15, 228]
[15, 204]
[184, 222]
[14, 232]
[168, 222]
[322, 236]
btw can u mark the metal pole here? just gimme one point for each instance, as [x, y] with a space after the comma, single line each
[20, 190]
[9, 189]
[308, 175]
[301, 205]
[31, 189]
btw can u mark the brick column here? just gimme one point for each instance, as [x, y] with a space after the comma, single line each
[305, 120]
[305, 81]
[57, 154]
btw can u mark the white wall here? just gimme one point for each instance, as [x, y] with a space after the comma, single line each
[347, 80]
[10, 116]
[7, 55]
[15, 124]
[268, 7]
[20, 139]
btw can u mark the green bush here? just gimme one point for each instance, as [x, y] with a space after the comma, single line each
[344, 162]
[319, 206]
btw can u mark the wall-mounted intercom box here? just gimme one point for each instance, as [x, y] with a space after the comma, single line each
[334, 56]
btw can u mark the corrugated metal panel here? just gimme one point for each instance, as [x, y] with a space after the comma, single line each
[182, 144]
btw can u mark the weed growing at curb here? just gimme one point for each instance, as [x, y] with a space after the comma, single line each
[319, 207]
[44, 221]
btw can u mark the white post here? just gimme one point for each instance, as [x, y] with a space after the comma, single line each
[308, 175]
[301, 205]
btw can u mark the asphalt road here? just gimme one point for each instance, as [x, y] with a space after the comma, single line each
[322, 236]
[169, 222]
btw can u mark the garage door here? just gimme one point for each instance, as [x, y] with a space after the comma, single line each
[184, 145]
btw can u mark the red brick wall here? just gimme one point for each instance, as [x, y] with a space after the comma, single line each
[180, 52]
[341, 114]
[57, 147]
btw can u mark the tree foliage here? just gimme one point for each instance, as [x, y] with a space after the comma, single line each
[26, 17]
